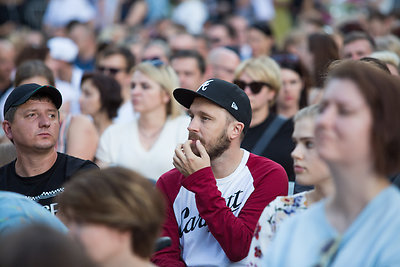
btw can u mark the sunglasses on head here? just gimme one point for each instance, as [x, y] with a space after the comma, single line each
[112, 71]
[255, 87]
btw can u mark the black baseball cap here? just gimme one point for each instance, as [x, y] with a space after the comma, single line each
[22, 93]
[225, 94]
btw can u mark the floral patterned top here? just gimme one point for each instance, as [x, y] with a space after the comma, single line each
[269, 222]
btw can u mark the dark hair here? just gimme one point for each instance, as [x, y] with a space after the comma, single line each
[325, 51]
[376, 63]
[229, 29]
[41, 245]
[32, 68]
[112, 50]
[201, 64]
[358, 35]
[30, 52]
[109, 89]
[262, 26]
[293, 62]
[381, 92]
[132, 204]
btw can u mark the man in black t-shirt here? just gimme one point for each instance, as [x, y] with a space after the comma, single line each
[31, 122]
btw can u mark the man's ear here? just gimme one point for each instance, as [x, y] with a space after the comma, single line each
[7, 129]
[236, 130]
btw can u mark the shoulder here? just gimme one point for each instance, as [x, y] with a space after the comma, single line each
[73, 164]
[287, 127]
[6, 170]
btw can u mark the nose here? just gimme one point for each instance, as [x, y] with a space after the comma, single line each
[325, 118]
[44, 121]
[297, 153]
[193, 126]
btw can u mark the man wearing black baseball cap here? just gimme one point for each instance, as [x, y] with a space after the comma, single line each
[31, 122]
[217, 190]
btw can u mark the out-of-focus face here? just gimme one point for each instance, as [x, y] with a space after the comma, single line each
[308, 166]
[35, 126]
[182, 42]
[357, 49]
[240, 25]
[223, 66]
[260, 44]
[218, 36]
[154, 52]
[190, 76]
[102, 243]
[147, 95]
[292, 85]
[116, 67]
[209, 125]
[7, 65]
[343, 127]
[90, 99]
[260, 100]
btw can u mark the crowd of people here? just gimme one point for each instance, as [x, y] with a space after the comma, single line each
[199, 133]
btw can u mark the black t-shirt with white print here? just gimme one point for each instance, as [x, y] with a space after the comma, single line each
[43, 188]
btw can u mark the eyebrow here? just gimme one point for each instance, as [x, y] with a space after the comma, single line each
[201, 113]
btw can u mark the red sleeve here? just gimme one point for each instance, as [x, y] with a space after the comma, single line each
[169, 184]
[270, 181]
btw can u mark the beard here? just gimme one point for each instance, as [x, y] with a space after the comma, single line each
[214, 148]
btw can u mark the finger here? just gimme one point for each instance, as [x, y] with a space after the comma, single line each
[202, 150]
[179, 152]
[187, 149]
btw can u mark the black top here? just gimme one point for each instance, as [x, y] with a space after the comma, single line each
[43, 188]
[280, 147]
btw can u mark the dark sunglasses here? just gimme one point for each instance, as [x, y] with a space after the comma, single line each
[112, 71]
[255, 87]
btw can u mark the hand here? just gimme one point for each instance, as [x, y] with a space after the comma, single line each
[187, 162]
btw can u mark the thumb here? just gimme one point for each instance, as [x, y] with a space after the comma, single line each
[202, 150]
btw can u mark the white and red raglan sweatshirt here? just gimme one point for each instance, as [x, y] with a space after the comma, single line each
[211, 221]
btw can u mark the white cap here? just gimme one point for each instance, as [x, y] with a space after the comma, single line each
[62, 48]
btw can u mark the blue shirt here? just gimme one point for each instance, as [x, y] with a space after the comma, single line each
[373, 239]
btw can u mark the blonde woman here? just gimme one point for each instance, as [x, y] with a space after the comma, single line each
[260, 78]
[310, 170]
[147, 144]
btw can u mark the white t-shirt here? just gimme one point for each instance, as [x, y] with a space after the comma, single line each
[120, 145]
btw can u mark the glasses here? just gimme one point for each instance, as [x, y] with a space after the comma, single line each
[112, 71]
[156, 62]
[255, 87]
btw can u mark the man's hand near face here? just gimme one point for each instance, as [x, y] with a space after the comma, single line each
[187, 162]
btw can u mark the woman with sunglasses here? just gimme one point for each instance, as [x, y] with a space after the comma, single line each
[358, 136]
[295, 84]
[260, 78]
[310, 170]
[147, 144]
